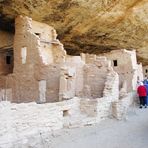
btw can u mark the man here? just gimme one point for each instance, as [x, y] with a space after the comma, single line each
[141, 90]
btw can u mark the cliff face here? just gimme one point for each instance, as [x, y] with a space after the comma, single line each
[93, 26]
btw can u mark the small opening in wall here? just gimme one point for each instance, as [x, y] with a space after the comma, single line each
[65, 113]
[115, 63]
[8, 59]
[146, 70]
[38, 34]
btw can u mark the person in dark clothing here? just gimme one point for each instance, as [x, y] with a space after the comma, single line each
[145, 81]
[146, 86]
[141, 90]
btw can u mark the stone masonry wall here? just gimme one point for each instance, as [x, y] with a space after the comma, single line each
[126, 66]
[37, 58]
[95, 74]
[140, 73]
[39, 72]
[121, 106]
[22, 81]
[83, 79]
[145, 71]
[71, 78]
[19, 119]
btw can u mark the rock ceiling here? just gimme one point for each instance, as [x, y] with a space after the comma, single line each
[93, 26]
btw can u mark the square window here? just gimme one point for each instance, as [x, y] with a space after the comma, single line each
[115, 63]
[65, 113]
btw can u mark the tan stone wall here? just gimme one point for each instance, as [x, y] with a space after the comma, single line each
[76, 65]
[126, 66]
[95, 74]
[83, 79]
[37, 58]
[145, 71]
[140, 72]
[120, 107]
[95, 80]
[53, 82]
[75, 112]
[42, 71]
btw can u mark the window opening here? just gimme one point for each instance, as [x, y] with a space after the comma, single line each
[115, 63]
[65, 113]
[9, 58]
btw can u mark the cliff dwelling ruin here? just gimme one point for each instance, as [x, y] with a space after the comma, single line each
[35, 67]
[72, 64]
[81, 90]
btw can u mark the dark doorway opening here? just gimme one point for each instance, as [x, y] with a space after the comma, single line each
[115, 63]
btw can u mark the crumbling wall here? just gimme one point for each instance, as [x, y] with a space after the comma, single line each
[53, 82]
[37, 118]
[95, 74]
[71, 78]
[67, 83]
[23, 81]
[121, 106]
[140, 72]
[33, 119]
[100, 108]
[124, 63]
[43, 73]
[37, 58]
[83, 76]
[39, 61]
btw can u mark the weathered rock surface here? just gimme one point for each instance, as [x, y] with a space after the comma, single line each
[87, 25]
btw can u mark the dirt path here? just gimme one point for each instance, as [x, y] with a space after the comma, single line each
[130, 133]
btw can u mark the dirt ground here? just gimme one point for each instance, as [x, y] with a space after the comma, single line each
[131, 132]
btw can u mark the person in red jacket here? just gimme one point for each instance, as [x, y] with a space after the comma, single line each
[141, 90]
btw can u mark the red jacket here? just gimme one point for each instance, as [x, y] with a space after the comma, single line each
[141, 91]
